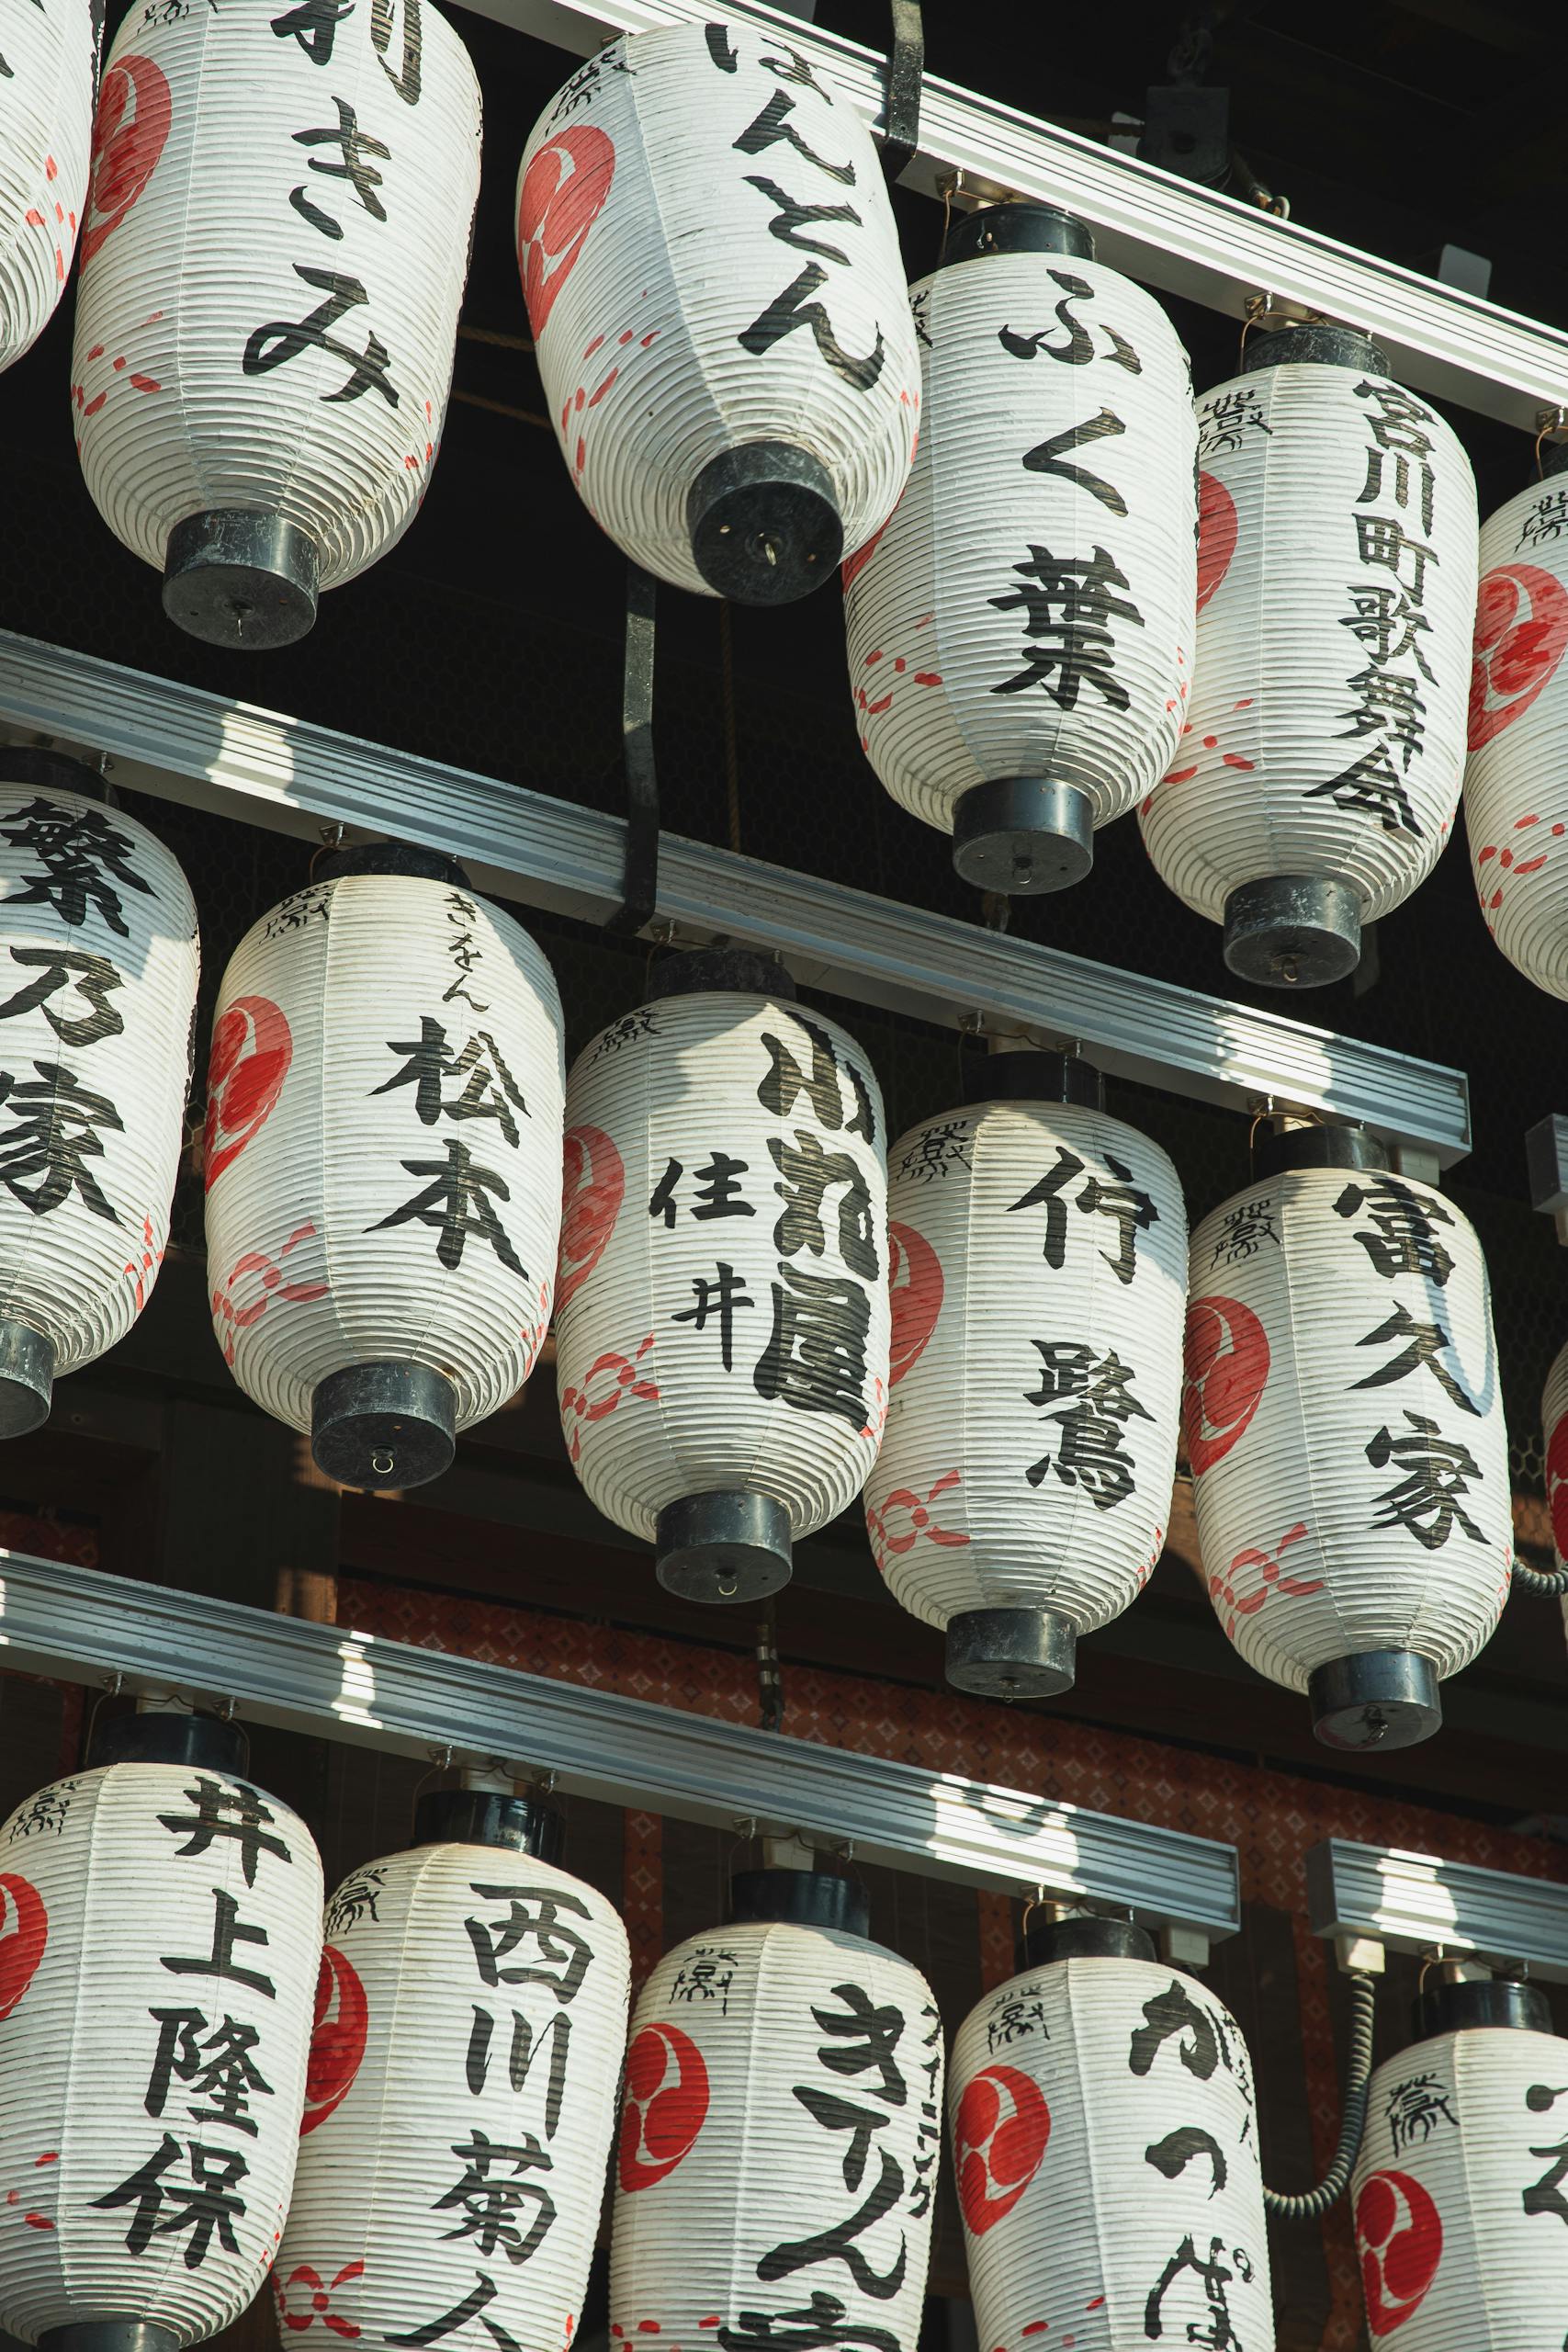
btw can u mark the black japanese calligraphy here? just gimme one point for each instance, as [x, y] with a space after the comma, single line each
[549, 1949]
[228, 1929]
[1403, 1239]
[1427, 1502]
[206, 2203]
[1415, 2109]
[1427, 1343]
[473, 2305]
[488, 1089]
[456, 1202]
[79, 851]
[1093, 1397]
[281, 340]
[1172, 2154]
[221, 2070]
[1068, 604]
[1132, 1210]
[717, 1189]
[1166, 2015]
[43, 1158]
[230, 1809]
[719, 1300]
[785, 1082]
[1078, 348]
[93, 978]
[815, 1358]
[809, 1174]
[496, 2195]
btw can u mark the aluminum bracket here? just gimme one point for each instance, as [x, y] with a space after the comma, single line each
[81, 1625]
[1417, 1903]
[178, 744]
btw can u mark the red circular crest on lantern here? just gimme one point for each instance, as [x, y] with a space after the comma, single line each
[1218, 528]
[1521, 634]
[915, 1287]
[1226, 1365]
[1399, 2241]
[666, 2099]
[563, 193]
[338, 2037]
[1557, 1484]
[251, 1049]
[593, 1185]
[24, 1931]
[999, 2136]
[134, 109]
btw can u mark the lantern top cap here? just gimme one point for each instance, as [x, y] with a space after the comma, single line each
[1021, 227]
[801, 1899]
[731, 971]
[489, 1818]
[1315, 344]
[1277, 1151]
[1553, 458]
[407, 858]
[164, 1736]
[46, 769]
[1045, 1941]
[1466, 2003]
[1032, 1076]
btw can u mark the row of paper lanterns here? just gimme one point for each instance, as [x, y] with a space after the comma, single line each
[419, 2157]
[275, 241]
[994, 1329]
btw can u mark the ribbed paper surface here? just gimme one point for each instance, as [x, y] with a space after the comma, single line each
[1515, 781]
[1028, 610]
[1039, 1283]
[49, 49]
[270, 283]
[1554, 1425]
[464, 2076]
[1336, 570]
[109, 1879]
[99, 963]
[383, 1143]
[1458, 2197]
[1345, 1425]
[1105, 2141]
[778, 2144]
[722, 1311]
[686, 192]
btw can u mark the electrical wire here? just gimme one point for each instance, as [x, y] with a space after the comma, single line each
[1544, 1583]
[1352, 2116]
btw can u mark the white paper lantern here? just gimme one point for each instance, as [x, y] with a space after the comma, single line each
[721, 1310]
[1020, 631]
[780, 2133]
[1345, 1430]
[1554, 1430]
[1105, 2143]
[463, 2091]
[276, 242]
[717, 300]
[383, 1156]
[1459, 2194]
[1323, 746]
[1039, 1278]
[163, 1927]
[48, 53]
[1515, 781]
[98, 964]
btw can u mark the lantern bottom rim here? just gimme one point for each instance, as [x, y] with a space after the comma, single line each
[1292, 931]
[723, 1547]
[1381, 1699]
[109, 2336]
[383, 1426]
[1023, 835]
[764, 523]
[1012, 1653]
[27, 1379]
[241, 578]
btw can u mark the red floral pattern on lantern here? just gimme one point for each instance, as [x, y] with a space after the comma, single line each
[230, 1320]
[252, 1048]
[1521, 633]
[564, 190]
[1227, 1366]
[1399, 2241]
[580, 1404]
[1000, 2135]
[1232, 1601]
[316, 2303]
[24, 1932]
[337, 2043]
[912, 1519]
[915, 1289]
[665, 2102]
[128, 135]
[593, 1185]
[1512, 866]
[1217, 530]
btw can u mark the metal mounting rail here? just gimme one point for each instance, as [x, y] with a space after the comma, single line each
[1371, 1896]
[83, 1626]
[181, 744]
[1184, 239]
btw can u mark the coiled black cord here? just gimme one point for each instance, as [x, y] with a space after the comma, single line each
[1352, 2116]
[1545, 1584]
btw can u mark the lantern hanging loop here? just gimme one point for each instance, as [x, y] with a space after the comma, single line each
[1352, 2116]
[1541, 1584]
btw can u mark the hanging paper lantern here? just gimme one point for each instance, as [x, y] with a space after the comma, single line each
[722, 1317]
[781, 2131]
[277, 240]
[1344, 1432]
[1324, 745]
[1458, 2193]
[1039, 1277]
[1515, 797]
[163, 1927]
[383, 1154]
[99, 964]
[471, 2017]
[717, 300]
[1105, 2144]
[48, 53]
[1554, 1428]
[1020, 631]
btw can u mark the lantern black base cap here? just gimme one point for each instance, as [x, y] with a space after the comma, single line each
[27, 1379]
[1379, 1699]
[164, 1736]
[1046, 1940]
[1012, 1653]
[723, 1547]
[382, 1427]
[1498, 2003]
[764, 523]
[488, 1817]
[244, 580]
[804, 1898]
[47, 770]
[733, 971]
[1292, 931]
[109, 2336]
[1315, 343]
[1023, 835]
